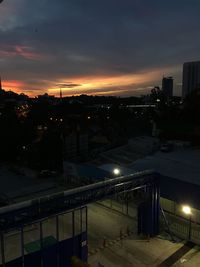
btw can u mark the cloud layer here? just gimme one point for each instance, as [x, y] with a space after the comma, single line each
[108, 46]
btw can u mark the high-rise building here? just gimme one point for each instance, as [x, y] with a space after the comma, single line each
[167, 86]
[191, 77]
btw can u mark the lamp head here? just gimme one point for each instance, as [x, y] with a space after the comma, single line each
[186, 209]
[116, 171]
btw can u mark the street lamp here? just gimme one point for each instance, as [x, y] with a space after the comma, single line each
[188, 211]
[116, 171]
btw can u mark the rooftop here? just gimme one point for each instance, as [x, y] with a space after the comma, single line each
[182, 164]
[17, 183]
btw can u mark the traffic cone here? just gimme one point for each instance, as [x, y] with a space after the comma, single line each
[128, 230]
[104, 242]
[121, 234]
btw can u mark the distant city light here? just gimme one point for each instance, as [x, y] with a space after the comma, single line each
[186, 210]
[158, 100]
[89, 117]
[116, 171]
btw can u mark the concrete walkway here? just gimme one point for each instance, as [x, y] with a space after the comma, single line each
[131, 252]
[177, 255]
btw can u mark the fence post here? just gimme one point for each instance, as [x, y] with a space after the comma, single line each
[2, 250]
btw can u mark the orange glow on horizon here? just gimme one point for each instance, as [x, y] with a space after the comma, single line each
[15, 86]
[91, 85]
[115, 85]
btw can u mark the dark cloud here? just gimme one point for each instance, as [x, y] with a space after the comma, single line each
[68, 85]
[72, 38]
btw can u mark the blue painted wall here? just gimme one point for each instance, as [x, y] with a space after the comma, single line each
[55, 255]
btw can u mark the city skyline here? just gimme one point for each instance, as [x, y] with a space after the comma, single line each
[103, 48]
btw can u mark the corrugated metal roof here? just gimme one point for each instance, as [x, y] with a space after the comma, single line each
[182, 164]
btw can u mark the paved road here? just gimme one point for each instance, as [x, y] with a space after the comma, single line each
[191, 259]
[177, 255]
[135, 253]
[105, 225]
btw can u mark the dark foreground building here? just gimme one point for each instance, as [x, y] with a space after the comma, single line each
[191, 77]
[167, 86]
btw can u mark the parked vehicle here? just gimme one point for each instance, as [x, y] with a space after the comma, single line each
[166, 147]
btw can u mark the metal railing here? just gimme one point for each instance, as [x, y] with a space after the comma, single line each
[32, 210]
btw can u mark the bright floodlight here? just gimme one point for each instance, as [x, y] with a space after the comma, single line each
[116, 171]
[186, 210]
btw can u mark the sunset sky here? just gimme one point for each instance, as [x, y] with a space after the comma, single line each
[104, 47]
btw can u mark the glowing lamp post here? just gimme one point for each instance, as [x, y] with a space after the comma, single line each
[187, 210]
[116, 171]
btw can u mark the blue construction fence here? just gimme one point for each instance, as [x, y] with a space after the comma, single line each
[52, 248]
[149, 210]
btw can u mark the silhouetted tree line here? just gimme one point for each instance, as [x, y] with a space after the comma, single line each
[32, 133]
[179, 119]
